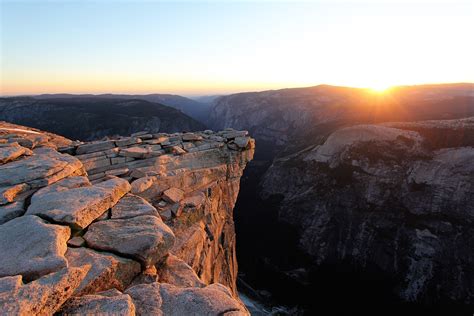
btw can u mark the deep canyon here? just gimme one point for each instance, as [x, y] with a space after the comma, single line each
[355, 202]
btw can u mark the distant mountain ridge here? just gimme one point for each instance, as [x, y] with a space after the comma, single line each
[196, 110]
[280, 116]
[89, 118]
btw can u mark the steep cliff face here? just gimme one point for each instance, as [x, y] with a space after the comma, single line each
[136, 225]
[395, 198]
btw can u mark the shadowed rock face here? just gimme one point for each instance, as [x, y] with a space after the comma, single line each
[71, 227]
[396, 198]
[89, 118]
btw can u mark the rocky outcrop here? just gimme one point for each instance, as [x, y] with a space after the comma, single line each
[86, 244]
[396, 197]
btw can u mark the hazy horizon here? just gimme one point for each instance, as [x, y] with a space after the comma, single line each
[196, 96]
[197, 49]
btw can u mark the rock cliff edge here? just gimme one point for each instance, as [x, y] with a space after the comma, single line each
[129, 226]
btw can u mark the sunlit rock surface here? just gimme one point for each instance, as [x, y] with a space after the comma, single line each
[67, 215]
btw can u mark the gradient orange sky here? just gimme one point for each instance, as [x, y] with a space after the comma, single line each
[216, 48]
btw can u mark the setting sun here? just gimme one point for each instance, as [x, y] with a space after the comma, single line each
[380, 88]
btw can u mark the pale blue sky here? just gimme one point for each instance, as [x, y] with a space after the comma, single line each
[218, 47]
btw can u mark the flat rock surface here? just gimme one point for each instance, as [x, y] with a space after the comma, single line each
[107, 270]
[41, 297]
[144, 238]
[32, 247]
[119, 305]
[44, 167]
[79, 207]
[62, 185]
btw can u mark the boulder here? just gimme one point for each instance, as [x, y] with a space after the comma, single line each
[173, 195]
[147, 299]
[12, 151]
[8, 194]
[62, 185]
[11, 211]
[242, 142]
[144, 238]
[131, 206]
[79, 207]
[99, 304]
[45, 167]
[170, 300]
[177, 272]
[107, 270]
[127, 141]
[135, 152]
[41, 297]
[32, 247]
[76, 242]
[142, 184]
[191, 137]
[94, 147]
[177, 150]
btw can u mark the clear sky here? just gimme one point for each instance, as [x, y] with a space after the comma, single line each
[199, 48]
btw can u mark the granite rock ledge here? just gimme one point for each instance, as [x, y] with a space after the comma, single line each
[128, 226]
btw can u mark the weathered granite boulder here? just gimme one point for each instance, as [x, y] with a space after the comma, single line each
[45, 167]
[9, 194]
[62, 185]
[177, 272]
[142, 184]
[167, 299]
[173, 195]
[11, 151]
[32, 247]
[78, 207]
[145, 238]
[131, 206]
[107, 270]
[41, 297]
[136, 152]
[104, 303]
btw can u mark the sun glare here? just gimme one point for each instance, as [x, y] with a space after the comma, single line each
[380, 88]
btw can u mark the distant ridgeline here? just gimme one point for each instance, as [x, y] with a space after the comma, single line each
[88, 118]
